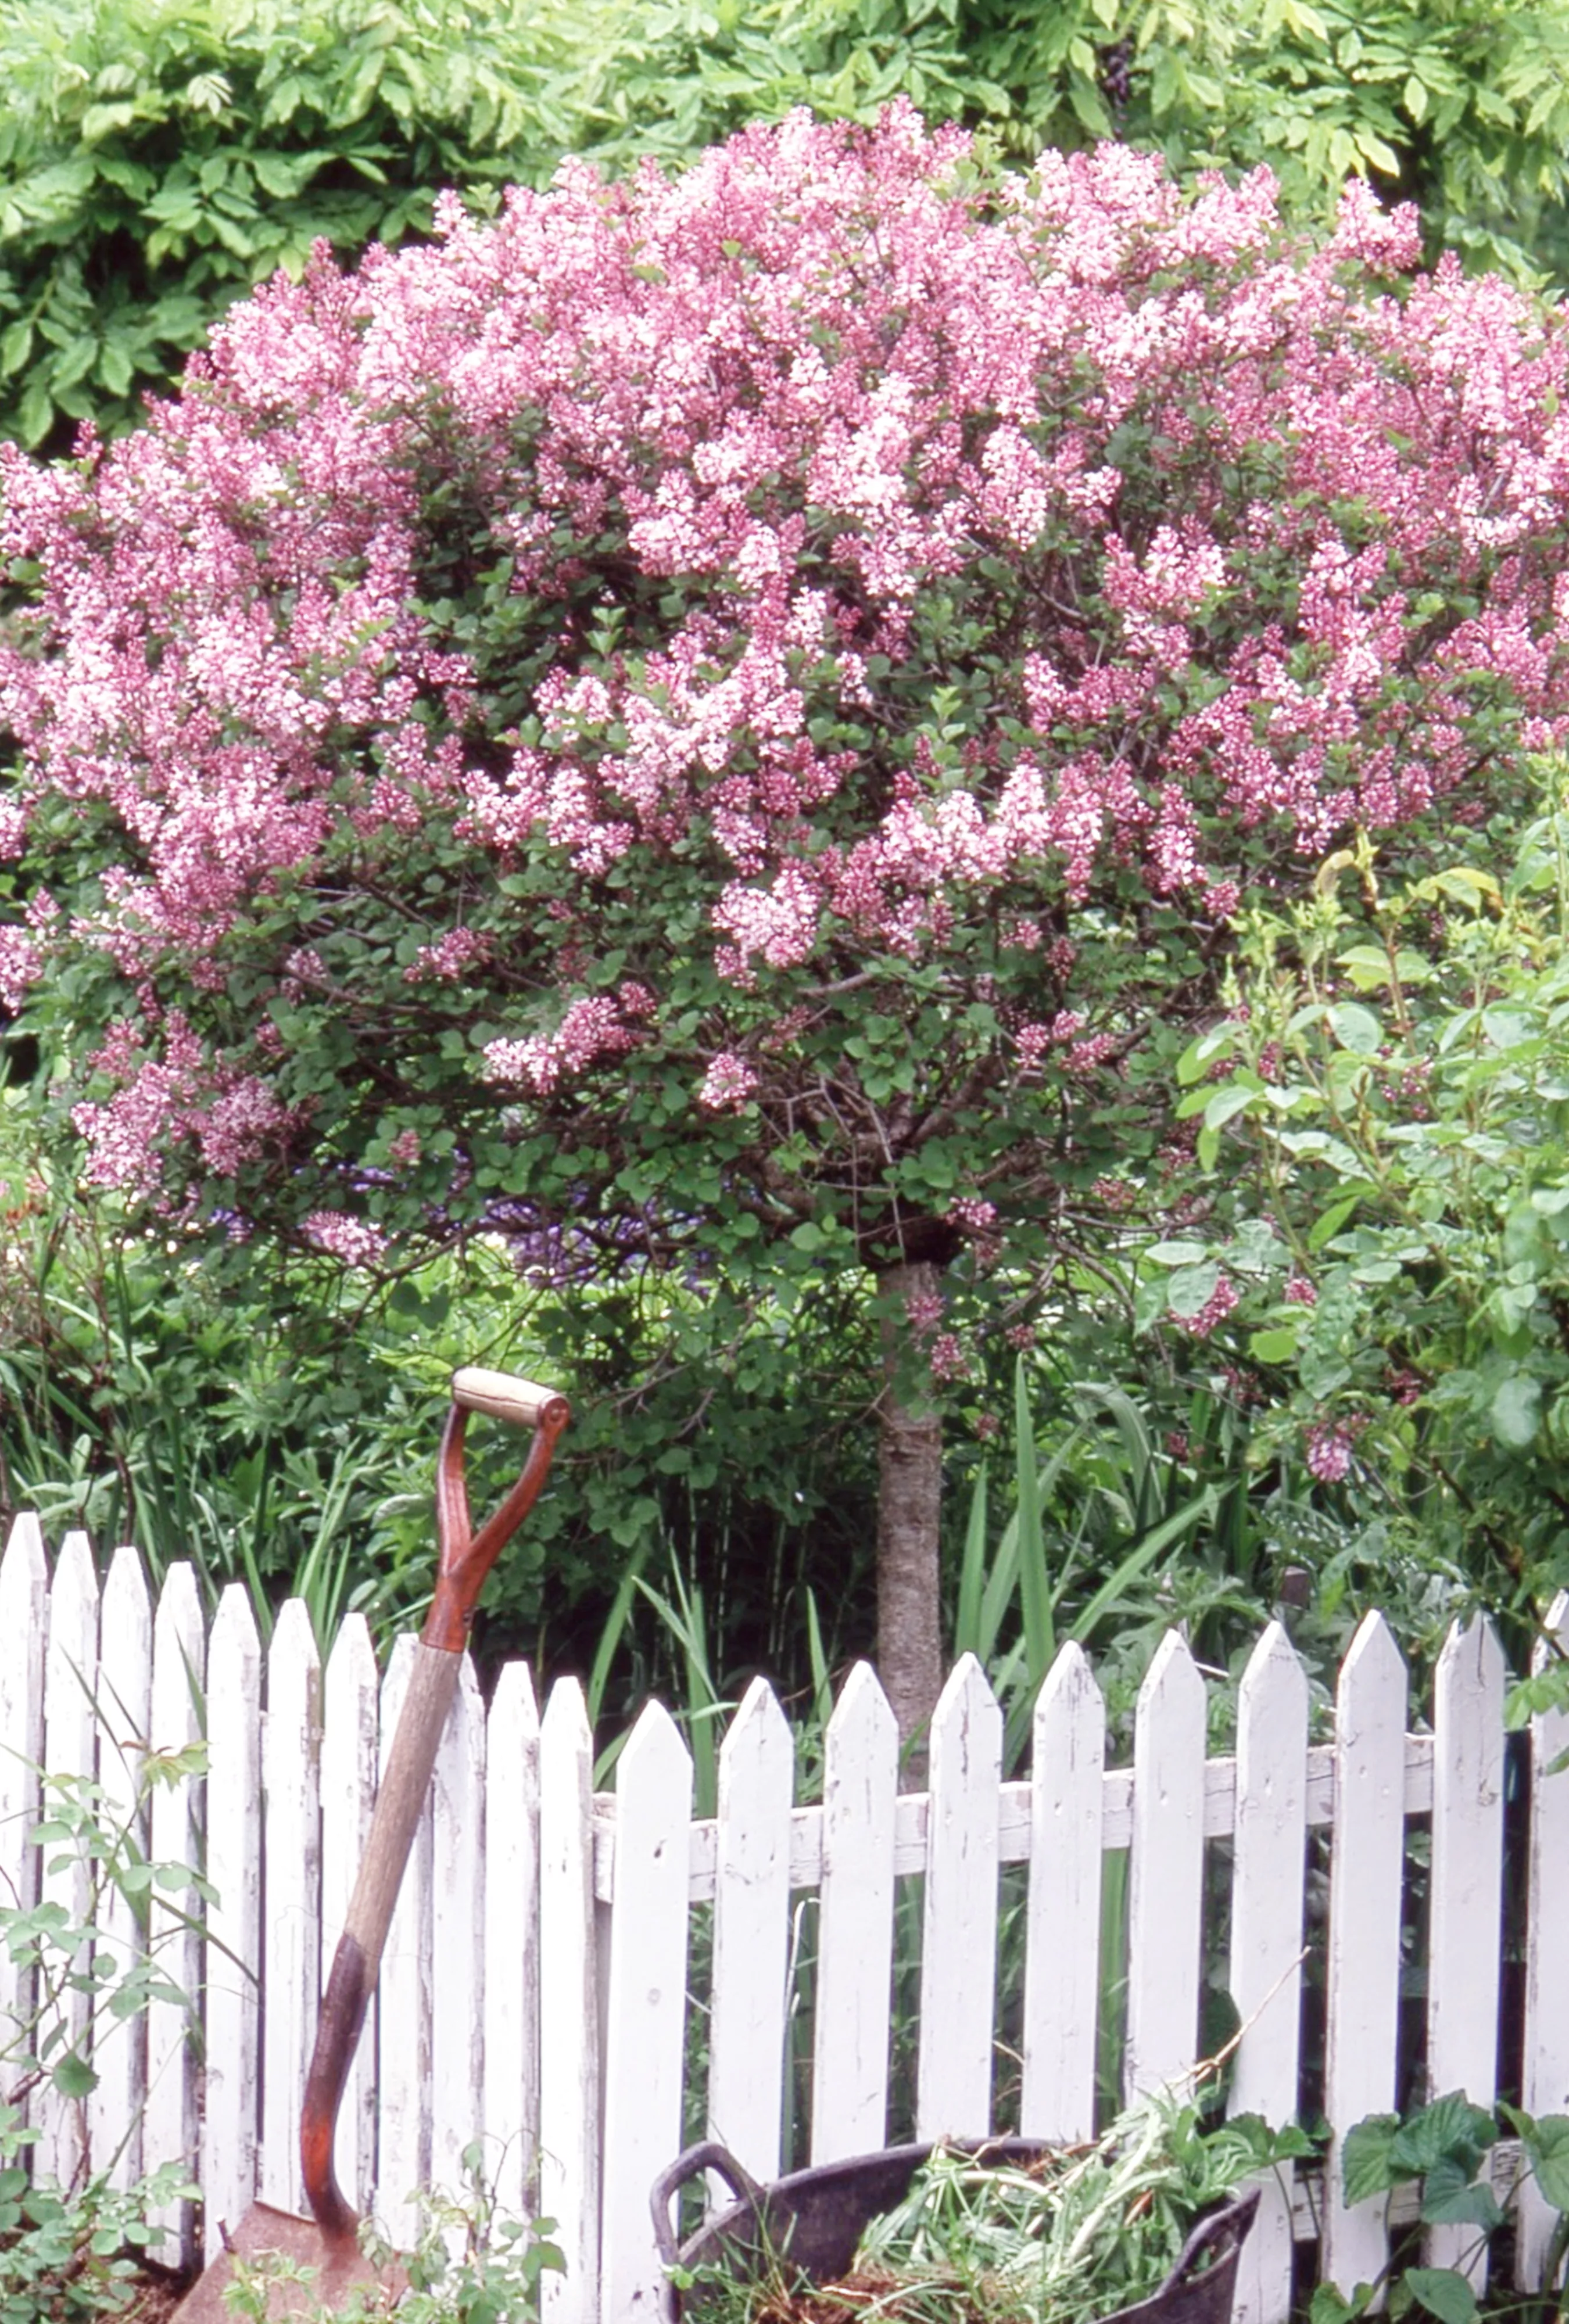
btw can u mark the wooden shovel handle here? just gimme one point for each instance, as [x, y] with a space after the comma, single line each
[467, 1557]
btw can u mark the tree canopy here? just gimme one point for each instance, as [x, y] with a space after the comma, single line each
[721, 723]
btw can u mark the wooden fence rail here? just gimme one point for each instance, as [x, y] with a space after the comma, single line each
[587, 1981]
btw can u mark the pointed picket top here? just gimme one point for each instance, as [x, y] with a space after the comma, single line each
[861, 1715]
[645, 2006]
[234, 1949]
[290, 1749]
[746, 2028]
[1165, 1870]
[568, 2008]
[350, 1690]
[758, 1732]
[1545, 2080]
[1367, 1870]
[856, 1923]
[1373, 1666]
[170, 2127]
[512, 1938]
[26, 1563]
[124, 1703]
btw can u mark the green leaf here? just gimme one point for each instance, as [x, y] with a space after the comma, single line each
[1451, 2196]
[1191, 1288]
[1444, 2291]
[1414, 96]
[1364, 2159]
[1449, 2126]
[1547, 2147]
[1356, 1028]
[1177, 1254]
[73, 2077]
[1516, 1410]
[1276, 1345]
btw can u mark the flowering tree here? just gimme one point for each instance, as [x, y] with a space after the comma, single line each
[724, 721]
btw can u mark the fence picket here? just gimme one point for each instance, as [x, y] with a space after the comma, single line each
[645, 2007]
[124, 1705]
[958, 1965]
[1268, 1864]
[1062, 1959]
[1166, 1870]
[1546, 2081]
[70, 1749]
[512, 1938]
[292, 1857]
[458, 1933]
[1366, 1871]
[1465, 1889]
[404, 2001]
[232, 2096]
[24, 1654]
[349, 1690]
[170, 2127]
[751, 1910]
[850, 2036]
[550, 1903]
[569, 2040]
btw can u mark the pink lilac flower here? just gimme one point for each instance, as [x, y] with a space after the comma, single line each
[1214, 1311]
[352, 1240]
[1328, 1451]
[1300, 1292]
[727, 1084]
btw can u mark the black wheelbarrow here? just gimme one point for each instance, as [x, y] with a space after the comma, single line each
[816, 2219]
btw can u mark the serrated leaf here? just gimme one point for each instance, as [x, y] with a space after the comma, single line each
[1450, 2125]
[1452, 2197]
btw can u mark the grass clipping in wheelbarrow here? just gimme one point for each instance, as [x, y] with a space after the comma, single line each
[1072, 2237]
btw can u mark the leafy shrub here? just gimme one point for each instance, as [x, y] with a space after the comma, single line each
[720, 726]
[1384, 1151]
[69, 2253]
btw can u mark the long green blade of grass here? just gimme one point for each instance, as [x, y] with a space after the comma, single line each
[1035, 1588]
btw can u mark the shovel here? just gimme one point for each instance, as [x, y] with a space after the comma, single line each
[327, 2242]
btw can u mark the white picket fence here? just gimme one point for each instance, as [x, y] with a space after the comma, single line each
[539, 1975]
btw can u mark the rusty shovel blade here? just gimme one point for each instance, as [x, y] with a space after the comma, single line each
[316, 2272]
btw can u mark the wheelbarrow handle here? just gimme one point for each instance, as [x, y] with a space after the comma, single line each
[707, 2155]
[1211, 2239]
[467, 1557]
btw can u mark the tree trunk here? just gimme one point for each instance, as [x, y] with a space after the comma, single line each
[908, 1510]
